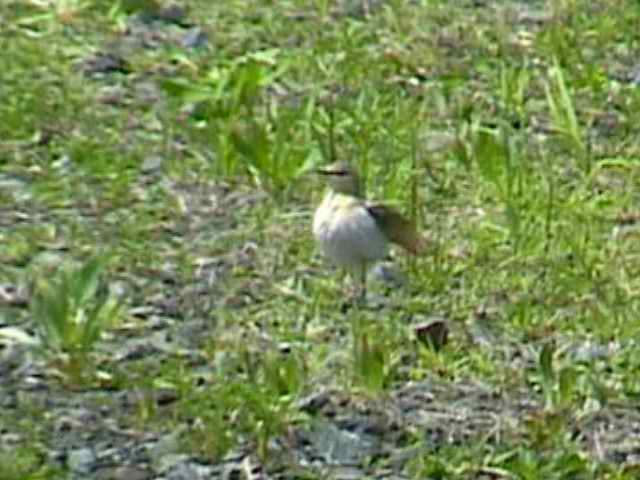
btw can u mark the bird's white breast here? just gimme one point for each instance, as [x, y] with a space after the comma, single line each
[346, 233]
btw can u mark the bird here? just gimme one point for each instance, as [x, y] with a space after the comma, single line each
[353, 232]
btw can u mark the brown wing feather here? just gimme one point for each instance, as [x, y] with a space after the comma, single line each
[398, 229]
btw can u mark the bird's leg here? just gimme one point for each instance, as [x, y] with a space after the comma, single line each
[357, 294]
[363, 282]
[354, 289]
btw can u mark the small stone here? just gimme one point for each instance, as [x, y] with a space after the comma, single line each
[433, 334]
[104, 62]
[194, 38]
[173, 461]
[347, 473]
[387, 274]
[337, 446]
[151, 164]
[634, 75]
[172, 14]
[165, 452]
[81, 460]
[123, 473]
[191, 471]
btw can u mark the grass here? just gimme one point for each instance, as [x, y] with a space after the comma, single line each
[506, 130]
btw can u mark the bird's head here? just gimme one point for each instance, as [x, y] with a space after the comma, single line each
[341, 177]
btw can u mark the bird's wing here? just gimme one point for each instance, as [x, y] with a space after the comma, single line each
[398, 229]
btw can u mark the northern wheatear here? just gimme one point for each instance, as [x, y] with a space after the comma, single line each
[352, 232]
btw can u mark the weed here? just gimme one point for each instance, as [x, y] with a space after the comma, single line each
[71, 311]
[564, 117]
